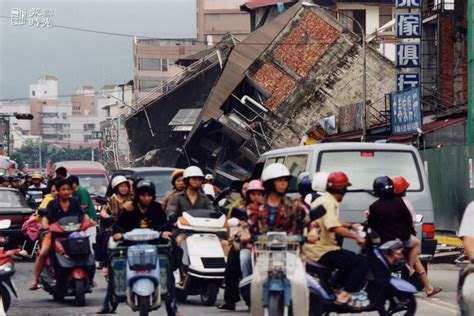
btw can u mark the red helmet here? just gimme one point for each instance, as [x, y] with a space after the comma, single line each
[400, 184]
[338, 181]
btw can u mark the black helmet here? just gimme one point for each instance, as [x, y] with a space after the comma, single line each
[145, 186]
[304, 184]
[383, 187]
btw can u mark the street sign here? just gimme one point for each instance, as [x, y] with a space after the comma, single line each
[350, 117]
[407, 80]
[97, 135]
[407, 4]
[406, 112]
[408, 25]
[408, 55]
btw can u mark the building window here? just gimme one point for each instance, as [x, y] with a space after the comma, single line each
[149, 83]
[76, 108]
[164, 65]
[385, 15]
[150, 64]
[89, 127]
[46, 92]
[358, 15]
[33, 93]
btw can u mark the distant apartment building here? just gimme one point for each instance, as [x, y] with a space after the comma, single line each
[154, 59]
[67, 122]
[83, 101]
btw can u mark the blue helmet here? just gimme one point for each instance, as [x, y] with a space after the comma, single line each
[305, 182]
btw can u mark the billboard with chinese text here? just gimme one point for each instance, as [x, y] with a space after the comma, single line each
[406, 112]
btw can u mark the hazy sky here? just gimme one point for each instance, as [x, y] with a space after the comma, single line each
[81, 58]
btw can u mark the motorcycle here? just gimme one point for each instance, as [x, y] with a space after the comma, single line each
[203, 269]
[139, 271]
[70, 268]
[397, 296]
[7, 270]
[276, 254]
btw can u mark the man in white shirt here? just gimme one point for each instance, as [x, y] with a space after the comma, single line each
[466, 232]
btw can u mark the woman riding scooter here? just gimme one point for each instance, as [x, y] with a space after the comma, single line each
[61, 207]
[278, 213]
[119, 201]
[177, 181]
[253, 194]
[400, 186]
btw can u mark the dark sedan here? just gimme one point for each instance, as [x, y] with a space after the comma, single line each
[14, 206]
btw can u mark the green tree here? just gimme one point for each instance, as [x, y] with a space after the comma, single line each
[29, 154]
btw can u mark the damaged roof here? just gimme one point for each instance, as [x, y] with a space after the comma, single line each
[242, 57]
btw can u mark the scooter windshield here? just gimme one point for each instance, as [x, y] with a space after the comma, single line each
[205, 214]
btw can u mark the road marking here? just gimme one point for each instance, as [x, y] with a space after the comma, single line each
[440, 304]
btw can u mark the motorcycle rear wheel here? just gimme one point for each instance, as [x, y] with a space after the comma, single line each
[6, 298]
[410, 309]
[80, 298]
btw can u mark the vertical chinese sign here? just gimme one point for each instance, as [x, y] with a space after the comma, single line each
[408, 53]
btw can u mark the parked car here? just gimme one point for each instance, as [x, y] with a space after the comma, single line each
[363, 162]
[13, 206]
[160, 176]
[92, 175]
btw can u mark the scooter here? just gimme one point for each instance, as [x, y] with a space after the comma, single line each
[7, 270]
[397, 296]
[70, 268]
[204, 266]
[275, 255]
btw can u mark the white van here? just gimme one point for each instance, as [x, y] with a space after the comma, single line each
[362, 162]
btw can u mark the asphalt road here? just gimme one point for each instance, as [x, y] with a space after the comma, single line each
[40, 303]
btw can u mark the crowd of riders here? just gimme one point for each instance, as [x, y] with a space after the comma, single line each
[264, 206]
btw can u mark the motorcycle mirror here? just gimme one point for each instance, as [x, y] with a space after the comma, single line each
[222, 202]
[102, 200]
[418, 218]
[42, 211]
[5, 223]
[173, 218]
[317, 212]
[239, 214]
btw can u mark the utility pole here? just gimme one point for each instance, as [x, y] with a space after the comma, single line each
[470, 83]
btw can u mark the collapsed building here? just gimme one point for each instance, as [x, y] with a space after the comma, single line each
[274, 88]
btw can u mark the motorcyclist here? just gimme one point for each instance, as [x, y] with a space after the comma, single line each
[326, 251]
[252, 193]
[109, 213]
[146, 213]
[192, 198]
[277, 213]
[209, 180]
[37, 182]
[61, 207]
[177, 182]
[466, 232]
[400, 186]
[391, 219]
[304, 187]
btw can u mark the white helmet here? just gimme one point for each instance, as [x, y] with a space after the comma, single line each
[193, 171]
[118, 180]
[275, 171]
[320, 181]
[209, 176]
